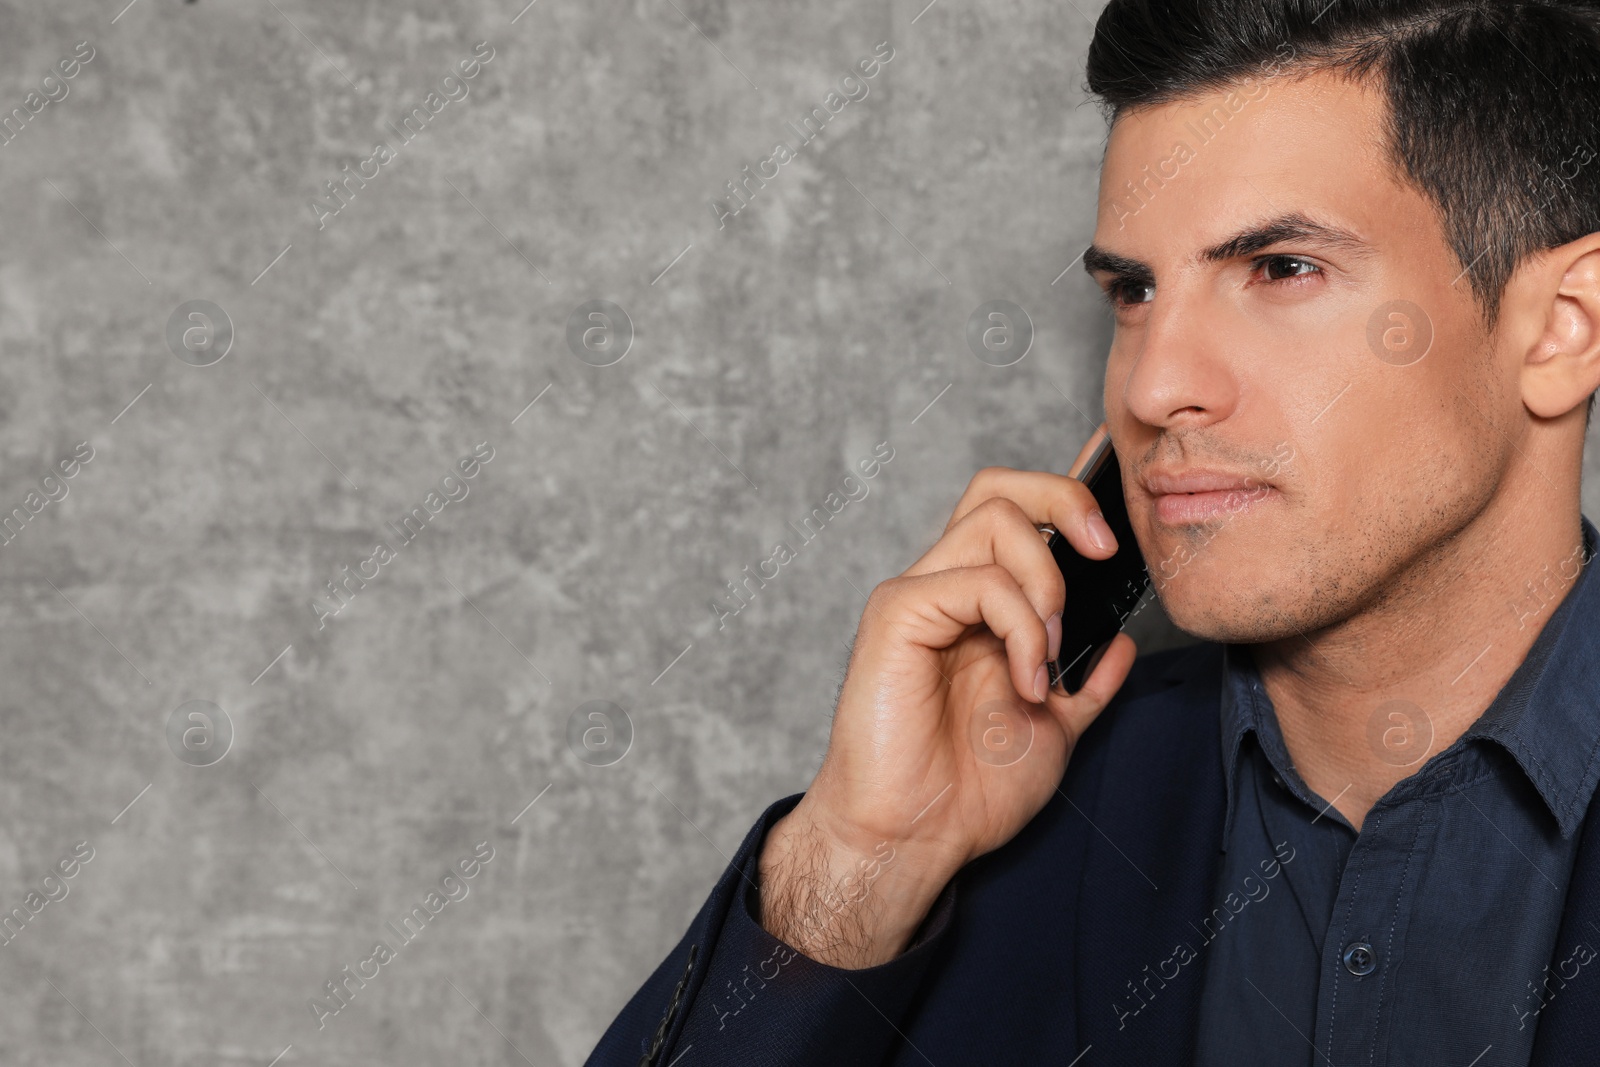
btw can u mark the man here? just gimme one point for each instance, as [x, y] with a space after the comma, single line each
[1351, 248]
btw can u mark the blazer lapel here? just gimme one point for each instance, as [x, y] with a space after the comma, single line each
[1154, 850]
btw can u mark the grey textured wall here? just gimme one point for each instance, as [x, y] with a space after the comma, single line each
[346, 362]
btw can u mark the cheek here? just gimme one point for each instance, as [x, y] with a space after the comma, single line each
[1423, 437]
[1303, 355]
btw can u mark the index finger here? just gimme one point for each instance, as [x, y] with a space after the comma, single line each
[1040, 494]
[1054, 499]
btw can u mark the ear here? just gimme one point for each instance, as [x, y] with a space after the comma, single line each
[1560, 292]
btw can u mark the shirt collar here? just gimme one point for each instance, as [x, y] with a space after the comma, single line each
[1546, 715]
[1245, 708]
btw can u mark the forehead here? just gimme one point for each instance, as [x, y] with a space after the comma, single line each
[1191, 172]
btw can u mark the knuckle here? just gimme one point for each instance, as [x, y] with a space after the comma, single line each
[994, 577]
[1000, 511]
[874, 610]
[883, 594]
[989, 475]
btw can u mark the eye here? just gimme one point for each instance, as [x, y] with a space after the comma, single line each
[1282, 267]
[1125, 292]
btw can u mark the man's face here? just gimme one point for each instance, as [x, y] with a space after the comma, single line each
[1366, 433]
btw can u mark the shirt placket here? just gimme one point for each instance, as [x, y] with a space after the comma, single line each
[1367, 932]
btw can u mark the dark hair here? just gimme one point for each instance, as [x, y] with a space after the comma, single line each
[1494, 105]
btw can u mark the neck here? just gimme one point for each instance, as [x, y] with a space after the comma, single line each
[1364, 702]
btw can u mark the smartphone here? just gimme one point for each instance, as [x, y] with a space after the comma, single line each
[1102, 594]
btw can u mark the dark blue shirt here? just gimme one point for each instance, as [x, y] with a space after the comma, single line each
[1426, 937]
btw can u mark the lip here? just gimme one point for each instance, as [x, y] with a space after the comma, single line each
[1194, 494]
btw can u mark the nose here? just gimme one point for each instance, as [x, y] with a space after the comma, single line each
[1171, 370]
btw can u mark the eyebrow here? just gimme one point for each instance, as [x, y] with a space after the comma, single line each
[1289, 227]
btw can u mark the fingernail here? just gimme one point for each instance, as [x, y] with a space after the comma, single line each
[1052, 633]
[1100, 533]
[1040, 681]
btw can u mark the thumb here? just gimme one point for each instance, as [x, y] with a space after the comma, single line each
[1077, 711]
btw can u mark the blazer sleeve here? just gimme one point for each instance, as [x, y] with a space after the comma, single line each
[731, 993]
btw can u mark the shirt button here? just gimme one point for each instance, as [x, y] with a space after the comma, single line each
[1360, 959]
[1278, 780]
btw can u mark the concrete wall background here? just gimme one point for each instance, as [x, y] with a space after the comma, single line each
[769, 357]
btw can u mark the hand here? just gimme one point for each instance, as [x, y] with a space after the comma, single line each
[946, 740]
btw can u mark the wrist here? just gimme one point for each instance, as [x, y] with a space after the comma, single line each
[841, 900]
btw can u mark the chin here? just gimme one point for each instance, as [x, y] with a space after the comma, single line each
[1237, 611]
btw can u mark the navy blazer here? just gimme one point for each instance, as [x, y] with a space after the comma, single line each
[1034, 952]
